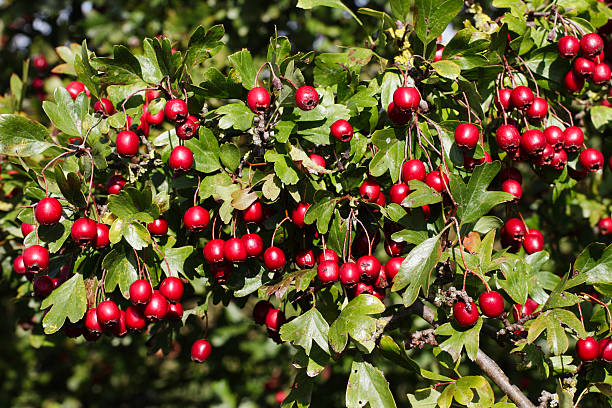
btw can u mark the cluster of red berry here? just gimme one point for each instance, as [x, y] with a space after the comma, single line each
[590, 65]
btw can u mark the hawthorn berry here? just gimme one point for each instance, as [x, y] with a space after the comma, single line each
[298, 213]
[328, 272]
[254, 213]
[253, 244]
[466, 136]
[196, 218]
[127, 143]
[392, 266]
[84, 231]
[200, 351]
[437, 180]
[573, 139]
[258, 100]
[158, 227]
[328, 255]
[533, 142]
[587, 349]
[568, 46]
[413, 170]
[369, 190]
[605, 226]
[306, 98]
[533, 242]
[514, 230]
[91, 321]
[318, 160]
[74, 88]
[120, 328]
[115, 184]
[573, 82]
[520, 311]
[502, 99]
[213, 250]
[140, 292]
[513, 187]
[591, 44]
[349, 273]
[188, 128]
[397, 116]
[221, 271]
[398, 192]
[406, 98]
[176, 110]
[102, 236]
[305, 259]
[181, 158]
[43, 286]
[48, 211]
[171, 288]
[463, 316]
[538, 109]
[260, 311]
[605, 350]
[491, 303]
[508, 138]
[554, 137]
[370, 268]
[601, 74]
[35, 259]
[342, 130]
[274, 319]
[591, 159]
[274, 258]
[108, 313]
[104, 106]
[157, 307]
[521, 97]
[234, 250]
[19, 265]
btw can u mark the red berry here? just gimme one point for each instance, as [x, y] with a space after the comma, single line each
[48, 211]
[134, 319]
[520, 311]
[254, 213]
[398, 192]
[583, 67]
[605, 350]
[533, 142]
[349, 273]
[181, 158]
[19, 265]
[84, 231]
[175, 311]
[104, 106]
[305, 259]
[591, 159]
[538, 109]
[154, 119]
[369, 190]
[554, 137]
[108, 313]
[274, 258]
[568, 46]
[157, 308]
[393, 266]
[328, 255]
[39, 63]
[462, 316]
[176, 110]
[587, 349]
[274, 319]
[213, 250]
[35, 258]
[27, 228]
[502, 99]
[435, 180]
[491, 303]
[253, 244]
[397, 116]
[439, 52]
[591, 44]
[115, 184]
[140, 292]
[158, 228]
[306, 98]
[508, 138]
[188, 128]
[514, 229]
[573, 82]
[120, 328]
[469, 162]
[298, 213]
[521, 97]
[91, 321]
[601, 74]
[511, 173]
[360, 288]
[513, 187]
[102, 236]
[328, 272]
[196, 218]
[605, 226]
[342, 130]
[171, 288]
[533, 242]
[74, 88]
[260, 311]
[413, 170]
[466, 136]
[573, 139]
[258, 100]
[221, 271]
[127, 143]
[43, 286]
[318, 160]
[200, 351]
[234, 250]
[370, 268]
[406, 98]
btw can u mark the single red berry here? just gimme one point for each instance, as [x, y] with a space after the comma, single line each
[120, 328]
[171, 288]
[306, 98]
[394, 248]
[437, 180]
[513, 187]
[605, 226]
[359, 289]
[398, 192]
[583, 67]
[43, 286]
[176, 110]
[115, 184]
[151, 95]
[39, 63]
[91, 321]
[370, 190]
[521, 97]
[19, 265]
[127, 143]
[342, 130]
[188, 128]
[514, 229]
[254, 213]
[48, 211]
[469, 162]
[397, 116]
[370, 268]
[253, 244]
[349, 274]
[274, 258]
[134, 319]
[520, 311]
[258, 100]
[533, 242]
[36, 259]
[154, 119]
[466, 136]
[158, 228]
[573, 139]
[27, 228]
[298, 213]
[84, 231]
[157, 308]
[318, 160]
[406, 98]
[104, 106]
[545, 159]
[554, 137]
[538, 109]
[328, 255]
[108, 313]
[587, 349]
[502, 100]
[533, 142]
[181, 158]
[591, 44]
[463, 316]
[568, 46]
[234, 250]
[38, 84]
[439, 52]
[393, 266]
[605, 350]
[260, 311]
[196, 218]
[140, 292]
[91, 336]
[573, 82]
[221, 271]
[213, 250]
[413, 170]
[175, 311]
[601, 74]
[305, 259]
[102, 236]
[200, 351]
[328, 272]
[491, 303]
[74, 88]
[274, 319]
[591, 159]
[508, 138]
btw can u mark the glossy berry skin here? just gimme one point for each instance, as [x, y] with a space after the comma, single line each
[514, 229]
[406, 98]
[435, 181]
[413, 170]
[370, 268]
[258, 100]
[176, 110]
[583, 67]
[462, 316]
[398, 192]
[254, 213]
[84, 231]
[91, 321]
[27, 228]
[605, 350]
[274, 319]
[328, 255]
[213, 250]
[157, 308]
[115, 184]
[260, 311]
[328, 272]
[533, 242]
[158, 228]
[253, 244]
[502, 99]
[119, 329]
[573, 139]
[102, 236]
[74, 88]
[188, 128]
[127, 143]
[108, 313]
[513, 187]
[318, 160]
[181, 158]
[568, 46]
[521, 97]
[591, 44]
[154, 119]
[175, 311]
[342, 130]
[538, 109]
[520, 311]
[196, 218]
[397, 116]
[104, 106]
[533, 142]
[587, 349]
[601, 74]
[39, 63]
[140, 292]
[392, 267]
[349, 274]
[172, 289]
[439, 53]
[605, 226]
[591, 159]
[573, 82]
[306, 98]
[554, 137]
[508, 138]
[298, 213]
[305, 259]
[369, 190]
[360, 288]
[43, 286]
[466, 136]
[274, 258]
[200, 351]
[469, 162]
[48, 211]
[234, 250]
[19, 265]
[491, 303]
[36, 259]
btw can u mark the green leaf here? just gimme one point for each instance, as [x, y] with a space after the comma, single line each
[427, 398]
[204, 44]
[389, 158]
[400, 9]
[230, 156]
[305, 329]
[397, 354]
[433, 16]
[308, 4]
[71, 188]
[487, 223]
[555, 334]
[474, 200]
[415, 271]
[596, 263]
[236, 115]
[321, 211]
[447, 69]
[69, 300]
[136, 235]
[22, 137]
[176, 258]
[354, 320]
[124, 206]
[601, 116]
[367, 385]
[516, 283]
[64, 112]
[458, 339]
[120, 265]
[421, 194]
[243, 63]
[205, 150]
[123, 68]
[301, 392]
[464, 395]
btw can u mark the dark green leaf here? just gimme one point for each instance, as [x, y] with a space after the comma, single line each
[205, 150]
[120, 265]
[355, 320]
[243, 63]
[69, 300]
[22, 137]
[305, 329]
[432, 17]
